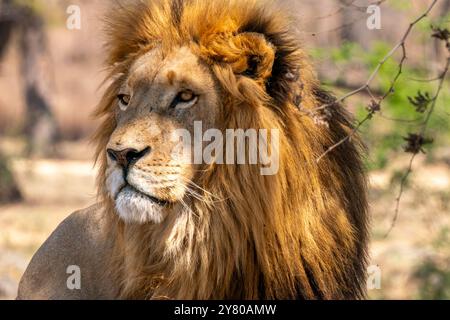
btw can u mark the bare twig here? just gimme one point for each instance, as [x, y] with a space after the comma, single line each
[380, 114]
[415, 140]
[347, 137]
[424, 127]
[366, 86]
[424, 80]
[341, 8]
[400, 193]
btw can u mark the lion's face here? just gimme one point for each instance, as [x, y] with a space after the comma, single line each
[146, 176]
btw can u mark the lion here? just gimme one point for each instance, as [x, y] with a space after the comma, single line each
[167, 228]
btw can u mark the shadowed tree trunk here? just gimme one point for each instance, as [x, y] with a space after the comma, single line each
[347, 33]
[9, 191]
[40, 126]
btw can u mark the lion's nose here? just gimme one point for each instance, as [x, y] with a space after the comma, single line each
[127, 156]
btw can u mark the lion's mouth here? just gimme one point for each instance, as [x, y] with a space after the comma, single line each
[158, 201]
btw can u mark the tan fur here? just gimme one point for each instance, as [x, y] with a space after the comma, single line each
[301, 233]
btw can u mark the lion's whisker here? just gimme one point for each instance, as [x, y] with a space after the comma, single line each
[193, 184]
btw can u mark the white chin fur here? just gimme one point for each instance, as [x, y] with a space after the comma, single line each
[134, 207]
[114, 181]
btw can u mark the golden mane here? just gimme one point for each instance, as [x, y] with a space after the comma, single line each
[301, 233]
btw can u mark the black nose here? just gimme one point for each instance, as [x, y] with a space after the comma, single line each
[127, 156]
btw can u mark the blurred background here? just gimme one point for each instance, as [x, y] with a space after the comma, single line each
[50, 76]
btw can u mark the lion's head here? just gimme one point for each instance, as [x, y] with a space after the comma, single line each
[187, 229]
[161, 92]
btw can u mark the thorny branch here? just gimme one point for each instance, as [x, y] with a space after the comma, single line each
[338, 11]
[344, 6]
[375, 103]
[423, 103]
[416, 141]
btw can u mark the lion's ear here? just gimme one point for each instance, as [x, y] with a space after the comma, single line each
[248, 53]
[256, 56]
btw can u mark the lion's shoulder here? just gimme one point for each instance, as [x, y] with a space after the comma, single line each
[80, 242]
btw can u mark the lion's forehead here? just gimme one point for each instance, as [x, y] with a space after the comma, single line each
[177, 66]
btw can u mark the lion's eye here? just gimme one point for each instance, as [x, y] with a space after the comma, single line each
[184, 99]
[124, 100]
[186, 96]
